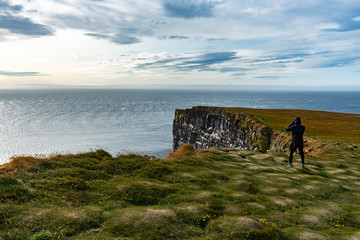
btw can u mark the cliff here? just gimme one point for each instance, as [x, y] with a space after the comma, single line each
[206, 127]
[253, 129]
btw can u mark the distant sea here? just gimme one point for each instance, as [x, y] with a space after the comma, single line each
[127, 121]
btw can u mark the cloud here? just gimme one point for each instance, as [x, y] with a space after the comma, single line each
[189, 8]
[120, 39]
[14, 23]
[20, 74]
[260, 38]
[172, 37]
[289, 57]
[232, 69]
[201, 62]
[5, 6]
[268, 77]
[346, 25]
[356, 19]
[119, 21]
[216, 39]
[238, 74]
[336, 62]
[24, 26]
[213, 58]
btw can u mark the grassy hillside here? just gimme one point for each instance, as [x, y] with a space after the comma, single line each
[208, 194]
[343, 127]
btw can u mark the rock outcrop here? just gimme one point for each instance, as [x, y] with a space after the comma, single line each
[206, 127]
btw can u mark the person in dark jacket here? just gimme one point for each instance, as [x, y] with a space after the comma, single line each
[297, 141]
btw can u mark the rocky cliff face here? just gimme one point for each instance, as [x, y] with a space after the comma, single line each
[206, 127]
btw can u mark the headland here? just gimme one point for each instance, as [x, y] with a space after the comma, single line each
[212, 193]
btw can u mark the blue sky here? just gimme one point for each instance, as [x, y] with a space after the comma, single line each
[180, 42]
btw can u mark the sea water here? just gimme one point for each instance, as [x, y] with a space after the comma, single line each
[34, 122]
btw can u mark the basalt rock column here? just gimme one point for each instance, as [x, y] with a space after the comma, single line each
[206, 127]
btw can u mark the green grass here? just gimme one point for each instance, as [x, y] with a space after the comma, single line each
[208, 194]
[342, 127]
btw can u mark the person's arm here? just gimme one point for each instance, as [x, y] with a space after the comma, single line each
[289, 128]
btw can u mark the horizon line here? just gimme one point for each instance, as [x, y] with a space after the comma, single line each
[185, 87]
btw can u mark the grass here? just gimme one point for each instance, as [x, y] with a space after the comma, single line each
[341, 127]
[192, 194]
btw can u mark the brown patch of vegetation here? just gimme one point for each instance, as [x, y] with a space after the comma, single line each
[188, 175]
[310, 236]
[311, 188]
[335, 171]
[269, 190]
[37, 216]
[191, 209]
[248, 222]
[279, 159]
[292, 191]
[157, 215]
[261, 156]
[231, 210]
[258, 168]
[257, 205]
[347, 177]
[204, 194]
[235, 165]
[312, 219]
[19, 163]
[240, 196]
[324, 212]
[284, 202]
[72, 214]
[314, 147]
[185, 150]
[237, 223]
[299, 177]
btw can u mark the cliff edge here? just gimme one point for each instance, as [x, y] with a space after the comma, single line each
[206, 127]
[260, 129]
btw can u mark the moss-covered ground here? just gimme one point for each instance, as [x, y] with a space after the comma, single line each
[208, 194]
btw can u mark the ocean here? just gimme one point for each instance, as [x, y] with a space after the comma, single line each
[42, 122]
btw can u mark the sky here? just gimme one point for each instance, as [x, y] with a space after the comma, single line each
[276, 43]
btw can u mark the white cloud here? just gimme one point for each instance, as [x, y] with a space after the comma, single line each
[286, 35]
[356, 19]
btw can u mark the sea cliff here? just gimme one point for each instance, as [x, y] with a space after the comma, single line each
[206, 127]
[260, 129]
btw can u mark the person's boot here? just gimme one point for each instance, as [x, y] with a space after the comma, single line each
[303, 165]
[290, 165]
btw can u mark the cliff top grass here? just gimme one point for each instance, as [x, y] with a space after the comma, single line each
[192, 194]
[341, 127]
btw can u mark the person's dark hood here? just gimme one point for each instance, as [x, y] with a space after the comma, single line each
[297, 121]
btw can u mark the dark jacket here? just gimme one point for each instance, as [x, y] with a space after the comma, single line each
[297, 130]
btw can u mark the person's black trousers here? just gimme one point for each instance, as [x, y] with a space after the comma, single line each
[297, 145]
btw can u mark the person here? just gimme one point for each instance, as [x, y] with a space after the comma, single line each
[297, 141]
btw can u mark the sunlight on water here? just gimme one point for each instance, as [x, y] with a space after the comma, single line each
[140, 121]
